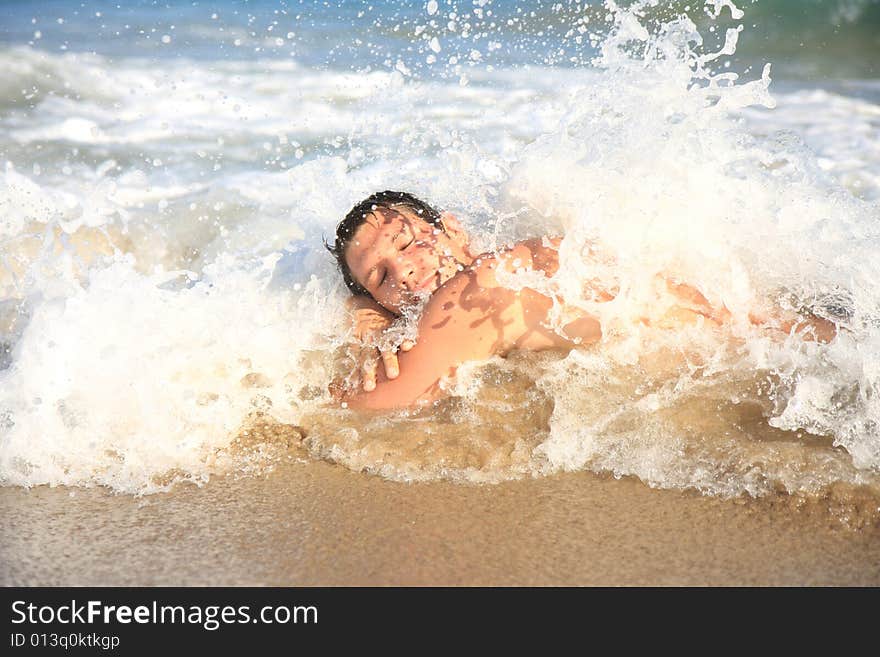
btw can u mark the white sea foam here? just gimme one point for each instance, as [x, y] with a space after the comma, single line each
[126, 380]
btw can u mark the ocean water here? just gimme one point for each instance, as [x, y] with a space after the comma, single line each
[168, 312]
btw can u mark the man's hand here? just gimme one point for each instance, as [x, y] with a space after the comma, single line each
[371, 321]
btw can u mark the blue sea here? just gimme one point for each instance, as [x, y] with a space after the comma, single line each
[168, 171]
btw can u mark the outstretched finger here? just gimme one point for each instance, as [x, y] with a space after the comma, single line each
[392, 368]
[368, 375]
[406, 345]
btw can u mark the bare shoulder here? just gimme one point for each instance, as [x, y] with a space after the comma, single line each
[474, 309]
[473, 292]
[476, 293]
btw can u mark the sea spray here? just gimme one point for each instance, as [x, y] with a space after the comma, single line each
[164, 281]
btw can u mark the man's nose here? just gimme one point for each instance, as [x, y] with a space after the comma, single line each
[404, 273]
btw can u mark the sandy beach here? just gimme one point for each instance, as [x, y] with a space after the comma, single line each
[315, 523]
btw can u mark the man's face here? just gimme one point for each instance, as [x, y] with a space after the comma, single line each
[400, 258]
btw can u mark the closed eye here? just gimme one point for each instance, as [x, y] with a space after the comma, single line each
[382, 278]
[408, 244]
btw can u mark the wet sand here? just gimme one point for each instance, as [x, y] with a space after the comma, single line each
[315, 523]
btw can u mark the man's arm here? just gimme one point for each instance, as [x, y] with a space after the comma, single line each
[460, 323]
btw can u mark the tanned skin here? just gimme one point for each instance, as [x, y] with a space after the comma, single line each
[398, 257]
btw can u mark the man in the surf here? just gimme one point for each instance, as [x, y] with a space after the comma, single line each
[397, 253]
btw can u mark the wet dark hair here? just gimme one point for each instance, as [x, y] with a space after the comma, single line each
[357, 216]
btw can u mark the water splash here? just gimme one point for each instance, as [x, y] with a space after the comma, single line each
[163, 279]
